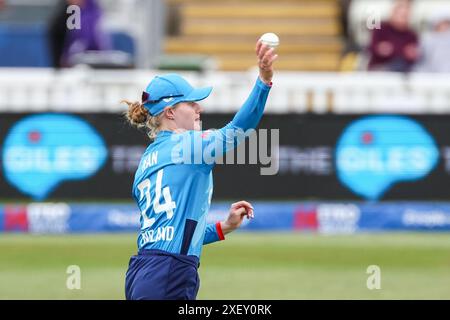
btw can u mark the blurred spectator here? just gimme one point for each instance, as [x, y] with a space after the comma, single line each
[435, 46]
[66, 43]
[394, 47]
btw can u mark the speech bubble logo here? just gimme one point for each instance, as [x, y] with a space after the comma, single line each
[41, 151]
[375, 152]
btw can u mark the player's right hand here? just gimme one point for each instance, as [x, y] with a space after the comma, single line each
[266, 57]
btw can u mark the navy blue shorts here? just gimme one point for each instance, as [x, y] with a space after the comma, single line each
[159, 275]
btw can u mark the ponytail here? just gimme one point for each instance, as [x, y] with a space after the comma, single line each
[138, 116]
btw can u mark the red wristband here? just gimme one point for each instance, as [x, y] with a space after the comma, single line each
[219, 231]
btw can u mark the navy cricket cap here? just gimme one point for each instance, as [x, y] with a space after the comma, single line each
[168, 90]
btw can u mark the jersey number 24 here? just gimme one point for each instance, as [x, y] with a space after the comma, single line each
[167, 206]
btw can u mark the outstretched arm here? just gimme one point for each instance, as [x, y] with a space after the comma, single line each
[251, 112]
[218, 142]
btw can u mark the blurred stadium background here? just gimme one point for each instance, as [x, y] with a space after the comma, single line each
[362, 157]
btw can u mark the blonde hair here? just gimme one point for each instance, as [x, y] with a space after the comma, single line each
[138, 116]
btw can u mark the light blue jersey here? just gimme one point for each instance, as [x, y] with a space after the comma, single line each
[173, 184]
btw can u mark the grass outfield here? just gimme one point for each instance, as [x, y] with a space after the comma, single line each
[245, 266]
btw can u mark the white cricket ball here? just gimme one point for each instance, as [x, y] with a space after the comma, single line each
[270, 39]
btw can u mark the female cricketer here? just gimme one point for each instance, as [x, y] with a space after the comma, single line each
[173, 183]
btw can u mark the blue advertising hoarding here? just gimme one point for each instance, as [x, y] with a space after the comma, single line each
[321, 217]
[64, 157]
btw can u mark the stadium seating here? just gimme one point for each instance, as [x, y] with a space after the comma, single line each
[23, 46]
[23, 34]
[309, 31]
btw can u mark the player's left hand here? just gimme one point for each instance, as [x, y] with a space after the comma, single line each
[238, 211]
